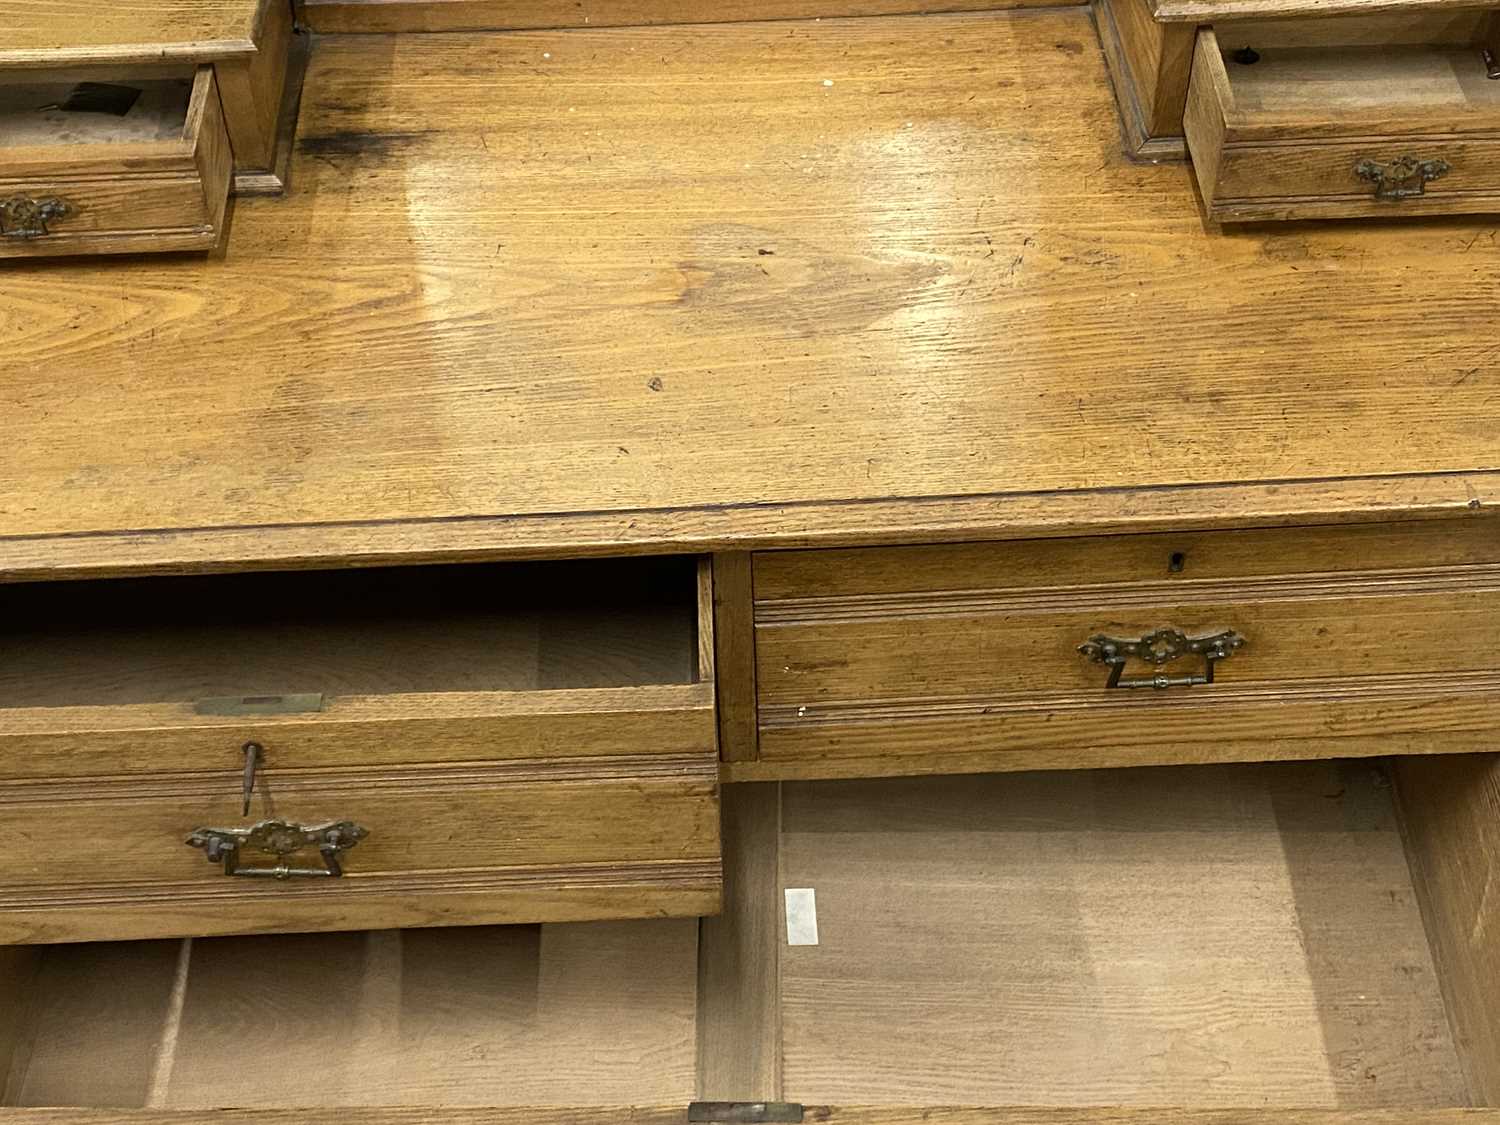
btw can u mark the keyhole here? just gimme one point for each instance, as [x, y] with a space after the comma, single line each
[1246, 56]
[1176, 562]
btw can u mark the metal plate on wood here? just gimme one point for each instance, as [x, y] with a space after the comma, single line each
[744, 1113]
[260, 704]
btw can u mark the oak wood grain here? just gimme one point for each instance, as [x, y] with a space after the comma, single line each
[734, 612]
[840, 1115]
[1203, 937]
[474, 15]
[1213, 11]
[252, 89]
[487, 1016]
[42, 33]
[477, 417]
[1149, 65]
[739, 958]
[1451, 815]
[972, 650]
[457, 831]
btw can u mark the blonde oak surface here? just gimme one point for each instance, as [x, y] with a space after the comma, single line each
[584, 291]
[52, 32]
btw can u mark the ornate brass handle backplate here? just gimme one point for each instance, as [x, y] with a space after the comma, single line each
[1160, 647]
[1403, 177]
[22, 216]
[282, 839]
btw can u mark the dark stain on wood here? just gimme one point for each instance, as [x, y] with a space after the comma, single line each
[360, 143]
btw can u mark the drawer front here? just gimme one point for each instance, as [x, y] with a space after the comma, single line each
[1334, 178]
[935, 658]
[503, 842]
[97, 200]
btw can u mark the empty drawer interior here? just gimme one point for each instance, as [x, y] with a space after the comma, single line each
[1213, 937]
[1386, 87]
[568, 1014]
[482, 627]
[143, 109]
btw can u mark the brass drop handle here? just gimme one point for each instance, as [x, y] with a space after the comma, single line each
[1160, 647]
[22, 216]
[282, 839]
[1403, 178]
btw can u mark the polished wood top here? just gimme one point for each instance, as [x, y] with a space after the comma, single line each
[63, 32]
[715, 286]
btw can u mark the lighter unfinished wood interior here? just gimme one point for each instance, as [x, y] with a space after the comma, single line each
[522, 1015]
[38, 113]
[1201, 937]
[1208, 936]
[1379, 84]
[454, 628]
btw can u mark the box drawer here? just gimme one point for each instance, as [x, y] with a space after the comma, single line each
[141, 162]
[513, 743]
[1332, 131]
[1281, 944]
[1342, 641]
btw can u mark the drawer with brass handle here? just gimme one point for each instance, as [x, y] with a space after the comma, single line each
[1303, 132]
[137, 163]
[1134, 649]
[327, 750]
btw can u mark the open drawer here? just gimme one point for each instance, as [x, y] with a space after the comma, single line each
[123, 163]
[335, 750]
[1329, 131]
[1244, 943]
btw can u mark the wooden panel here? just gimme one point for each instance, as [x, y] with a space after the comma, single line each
[1214, 11]
[63, 742]
[474, 15]
[937, 368]
[1203, 119]
[488, 833]
[923, 653]
[1421, 26]
[1451, 814]
[739, 995]
[734, 612]
[18, 970]
[482, 1016]
[838, 1115]
[1207, 937]
[1149, 64]
[252, 90]
[51, 32]
[1182, 559]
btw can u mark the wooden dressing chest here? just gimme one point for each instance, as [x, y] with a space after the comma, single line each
[748, 571]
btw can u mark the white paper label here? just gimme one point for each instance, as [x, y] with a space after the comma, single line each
[801, 916]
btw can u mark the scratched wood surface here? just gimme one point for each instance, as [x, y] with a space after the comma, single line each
[625, 283]
[48, 32]
[468, 15]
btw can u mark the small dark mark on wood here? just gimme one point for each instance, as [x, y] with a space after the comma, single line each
[765, 253]
[655, 383]
[355, 142]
